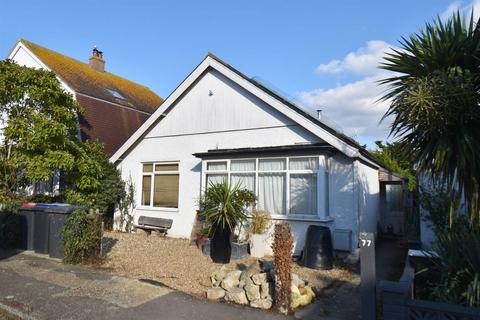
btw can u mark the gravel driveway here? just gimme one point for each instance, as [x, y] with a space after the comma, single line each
[180, 265]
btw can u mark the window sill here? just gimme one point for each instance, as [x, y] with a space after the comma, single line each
[302, 218]
[157, 209]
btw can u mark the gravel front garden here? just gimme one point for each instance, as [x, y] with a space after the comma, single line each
[179, 264]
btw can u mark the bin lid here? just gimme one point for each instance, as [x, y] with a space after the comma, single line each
[58, 207]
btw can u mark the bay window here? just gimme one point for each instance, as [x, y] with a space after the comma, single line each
[286, 186]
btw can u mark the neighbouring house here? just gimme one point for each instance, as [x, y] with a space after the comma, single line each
[114, 107]
[219, 123]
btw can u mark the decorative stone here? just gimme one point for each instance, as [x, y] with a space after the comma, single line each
[215, 293]
[310, 291]
[231, 280]
[260, 278]
[250, 271]
[296, 281]
[218, 275]
[236, 295]
[294, 289]
[261, 304]
[295, 303]
[266, 290]
[299, 299]
[252, 291]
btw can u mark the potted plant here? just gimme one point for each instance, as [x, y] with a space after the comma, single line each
[202, 236]
[259, 223]
[224, 206]
[239, 243]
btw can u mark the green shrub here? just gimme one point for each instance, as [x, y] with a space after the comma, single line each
[458, 266]
[81, 237]
[10, 225]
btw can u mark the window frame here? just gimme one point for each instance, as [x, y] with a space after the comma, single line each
[321, 175]
[152, 184]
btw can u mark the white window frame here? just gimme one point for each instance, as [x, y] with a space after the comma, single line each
[152, 181]
[321, 173]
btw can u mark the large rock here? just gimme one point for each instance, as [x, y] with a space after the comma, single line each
[236, 295]
[260, 278]
[250, 271]
[252, 291]
[261, 304]
[266, 290]
[215, 293]
[296, 281]
[218, 275]
[304, 296]
[231, 280]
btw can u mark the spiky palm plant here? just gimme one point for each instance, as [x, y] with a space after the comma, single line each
[224, 205]
[434, 98]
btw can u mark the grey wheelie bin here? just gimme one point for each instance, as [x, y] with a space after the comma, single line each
[28, 228]
[58, 215]
[41, 227]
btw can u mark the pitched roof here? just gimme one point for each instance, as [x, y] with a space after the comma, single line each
[338, 140]
[348, 140]
[85, 80]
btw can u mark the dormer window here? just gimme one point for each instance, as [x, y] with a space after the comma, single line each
[115, 93]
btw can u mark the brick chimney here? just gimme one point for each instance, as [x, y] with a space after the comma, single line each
[96, 61]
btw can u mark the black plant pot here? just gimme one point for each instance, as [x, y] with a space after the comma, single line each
[220, 247]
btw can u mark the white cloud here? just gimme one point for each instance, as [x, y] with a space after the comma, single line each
[364, 61]
[354, 106]
[457, 5]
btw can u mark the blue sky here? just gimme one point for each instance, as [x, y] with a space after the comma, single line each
[321, 54]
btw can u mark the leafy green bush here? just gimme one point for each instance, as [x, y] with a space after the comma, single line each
[10, 225]
[458, 266]
[81, 237]
[95, 182]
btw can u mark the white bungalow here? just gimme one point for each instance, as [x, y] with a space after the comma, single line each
[220, 123]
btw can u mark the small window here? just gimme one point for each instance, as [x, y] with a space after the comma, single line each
[146, 188]
[115, 93]
[166, 167]
[271, 164]
[303, 163]
[242, 165]
[217, 166]
[148, 167]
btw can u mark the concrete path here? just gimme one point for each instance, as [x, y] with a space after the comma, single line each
[32, 287]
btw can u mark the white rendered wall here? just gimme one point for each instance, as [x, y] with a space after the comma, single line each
[369, 197]
[216, 113]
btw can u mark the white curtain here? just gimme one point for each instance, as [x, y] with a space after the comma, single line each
[215, 178]
[303, 163]
[271, 192]
[217, 166]
[246, 180]
[271, 164]
[303, 193]
[242, 165]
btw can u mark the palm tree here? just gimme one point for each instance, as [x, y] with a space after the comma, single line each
[434, 97]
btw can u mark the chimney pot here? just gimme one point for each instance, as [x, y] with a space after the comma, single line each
[96, 61]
